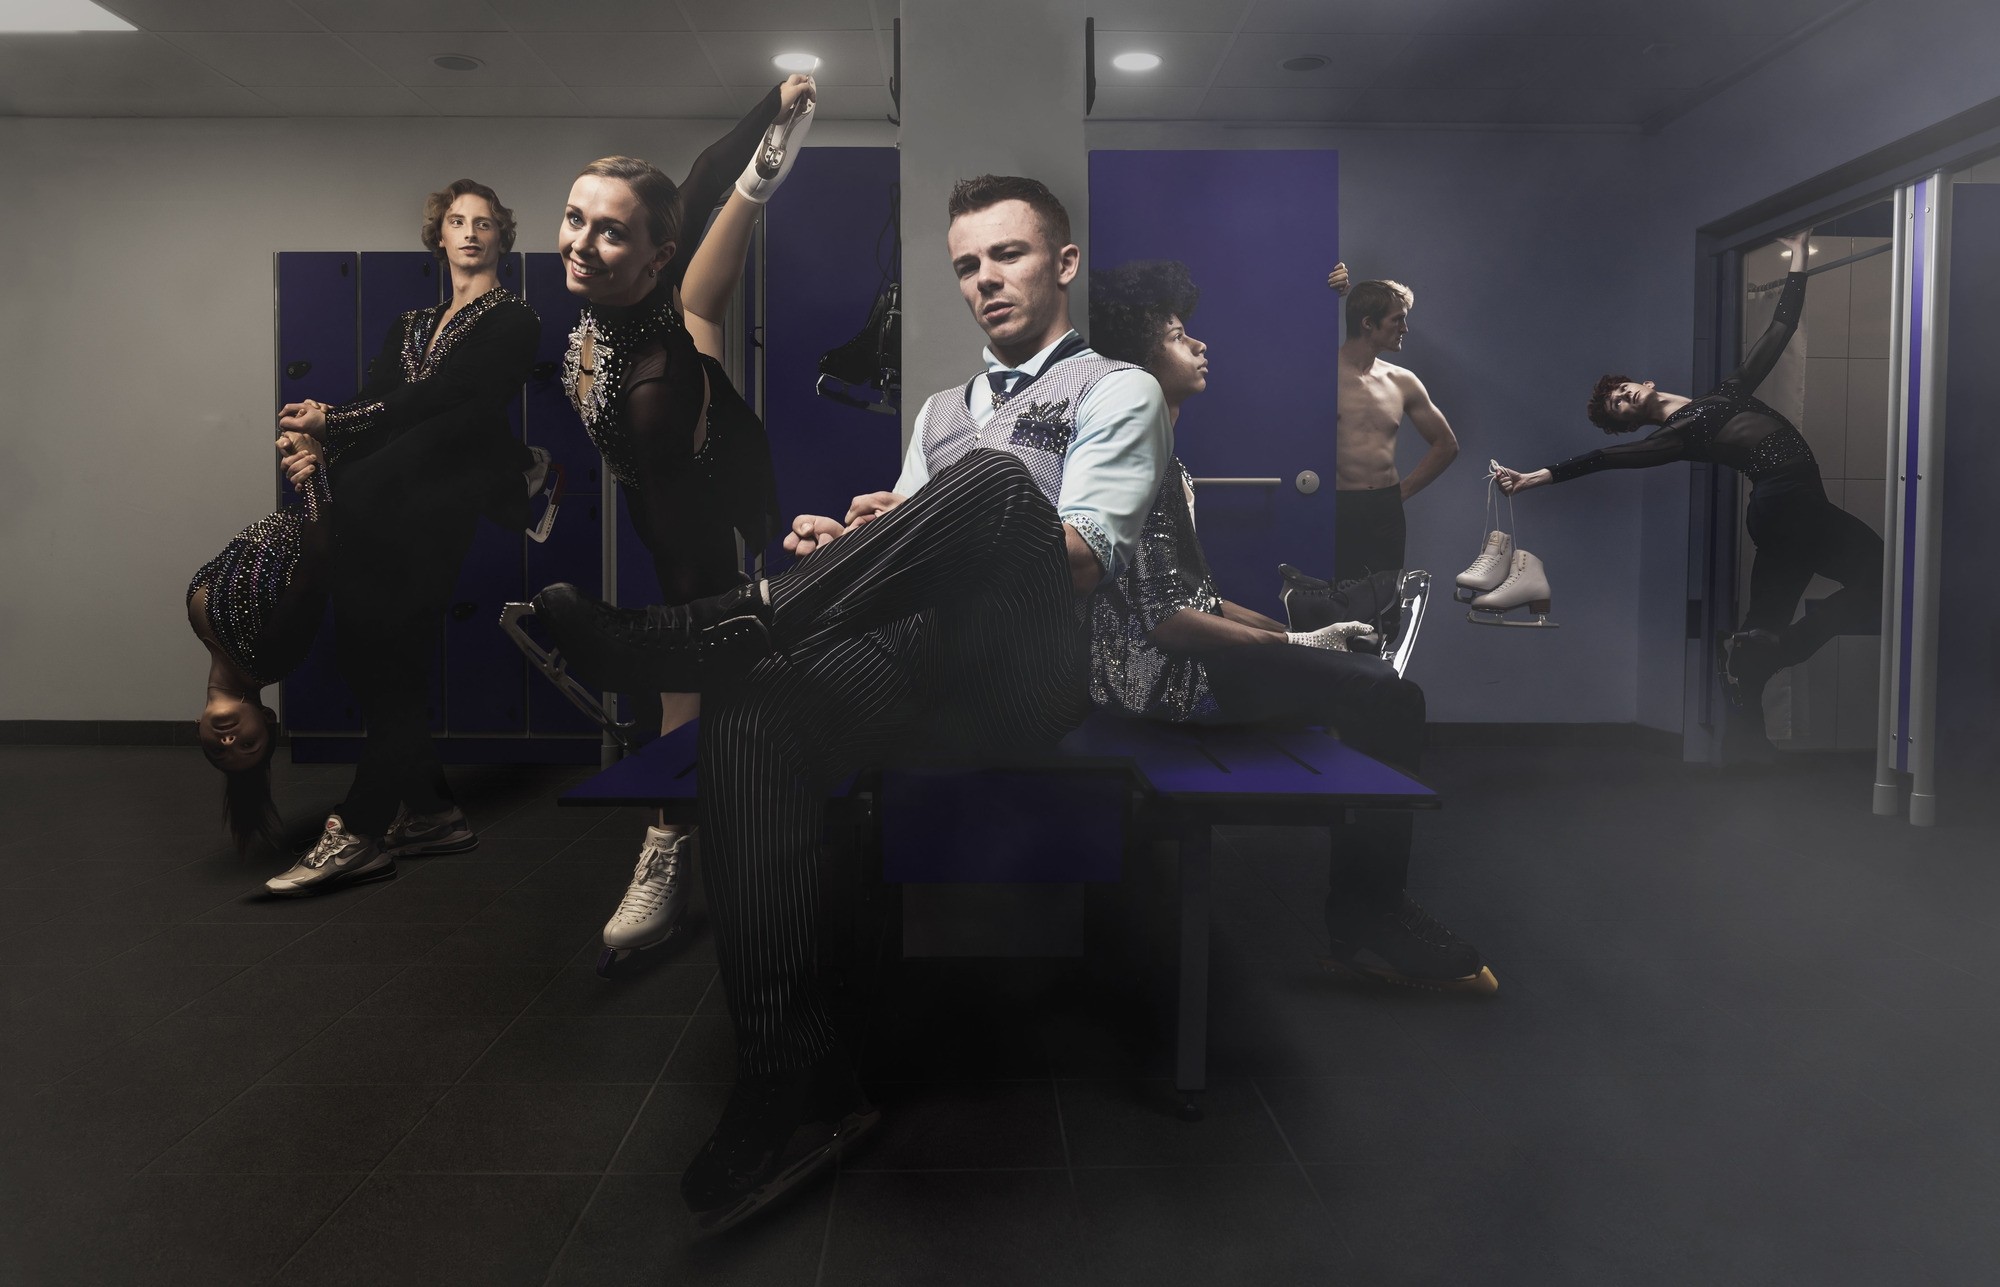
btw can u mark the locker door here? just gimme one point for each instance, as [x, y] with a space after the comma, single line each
[392, 283]
[485, 676]
[1258, 232]
[825, 255]
[1968, 645]
[574, 551]
[318, 357]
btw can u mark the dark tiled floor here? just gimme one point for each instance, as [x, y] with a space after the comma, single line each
[1743, 1037]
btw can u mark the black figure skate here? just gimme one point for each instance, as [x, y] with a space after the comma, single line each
[550, 662]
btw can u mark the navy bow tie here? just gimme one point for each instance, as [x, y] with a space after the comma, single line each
[1000, 380]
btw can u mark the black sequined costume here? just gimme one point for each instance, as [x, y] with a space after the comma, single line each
[264, 595]
[1798, 532]
[1129, 673]
[420, 456]
[643, 407]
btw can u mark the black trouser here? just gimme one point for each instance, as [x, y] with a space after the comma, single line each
[398, 547]
[946, 627]
[1368, 532]
[1374, 710]
[1799, 533]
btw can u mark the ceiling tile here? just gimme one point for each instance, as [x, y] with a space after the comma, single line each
[210, 15]
[134, 63]
[1466, 62]
[1147, 103]
[1167, 15]
[501, 100]
[713, 102]
[1358, 17]
[852, 102]
[1611, 62]
[404, 15]
[406, 56]
[79, 100]
[1353, 59]
[344, 100]
[589, 15]
[1450, 106]
[1244, 104]
[1186, 57]
[1777, 17]
[627, 58]
[787, 15]
[845, 57]
[1609, 105]
[279, 58]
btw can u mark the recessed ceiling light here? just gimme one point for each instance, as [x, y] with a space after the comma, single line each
[1305, 62]
[1136, 62]
[457, 62]
[59, 16]
[797, 62]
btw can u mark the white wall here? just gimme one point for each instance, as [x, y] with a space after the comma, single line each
[136, 360]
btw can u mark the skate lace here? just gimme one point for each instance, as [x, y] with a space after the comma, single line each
[653, 880]
[1488, 559]
[1423, 925]
[331, 842]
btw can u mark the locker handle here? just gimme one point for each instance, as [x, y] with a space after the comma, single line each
[297, 370]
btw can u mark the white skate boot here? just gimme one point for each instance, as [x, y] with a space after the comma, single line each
[1488, 570]
[651, 911]
[1526, 586]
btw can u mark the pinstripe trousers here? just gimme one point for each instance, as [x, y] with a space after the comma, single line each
[947, 627]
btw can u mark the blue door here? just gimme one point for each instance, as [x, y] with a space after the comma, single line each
[1968, 656]
[1258, 230]
[318, 357]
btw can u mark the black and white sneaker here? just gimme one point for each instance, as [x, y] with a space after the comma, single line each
[418, 835]
[1406, 946]
[340, 858]
[658, 649]
[776, 1132]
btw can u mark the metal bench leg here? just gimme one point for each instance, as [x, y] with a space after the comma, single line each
[1191, 1030]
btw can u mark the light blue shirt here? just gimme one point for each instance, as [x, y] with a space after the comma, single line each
[1113, 467]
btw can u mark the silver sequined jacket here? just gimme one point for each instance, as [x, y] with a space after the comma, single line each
[1129, 673]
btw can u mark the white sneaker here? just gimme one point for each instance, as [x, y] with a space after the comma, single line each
[1488, 570]
[339, 858]
[654, 902]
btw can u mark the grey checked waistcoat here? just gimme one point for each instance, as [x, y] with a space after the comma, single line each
[1038, 424]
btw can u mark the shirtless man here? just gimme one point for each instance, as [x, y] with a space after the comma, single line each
[1374, 397]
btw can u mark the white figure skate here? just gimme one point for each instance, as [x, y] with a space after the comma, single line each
[655, 901]
[1488, 570]
[1526, 586]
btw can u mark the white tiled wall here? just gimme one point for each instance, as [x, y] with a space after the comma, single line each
[1843, 411]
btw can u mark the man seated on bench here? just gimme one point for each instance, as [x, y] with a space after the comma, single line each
[940, 618]
[1166, 646]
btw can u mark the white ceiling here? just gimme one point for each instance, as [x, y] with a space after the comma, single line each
[1603, 63]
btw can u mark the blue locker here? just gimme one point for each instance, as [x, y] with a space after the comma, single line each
[574, 551]
[1258, 232]
[485, 676]
[392, 283]
[318, 357]
[825, 253]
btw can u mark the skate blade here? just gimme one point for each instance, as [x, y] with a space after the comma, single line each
[1487, 617]
[553, 490]
[550, 662]
[1481, 984]
[851, 1130]
[616, 962]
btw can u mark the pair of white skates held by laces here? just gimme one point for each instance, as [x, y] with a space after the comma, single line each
[1504, 578]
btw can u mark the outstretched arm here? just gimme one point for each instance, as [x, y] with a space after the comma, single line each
[1770, 346]
[715, 266]
[1429, 422]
